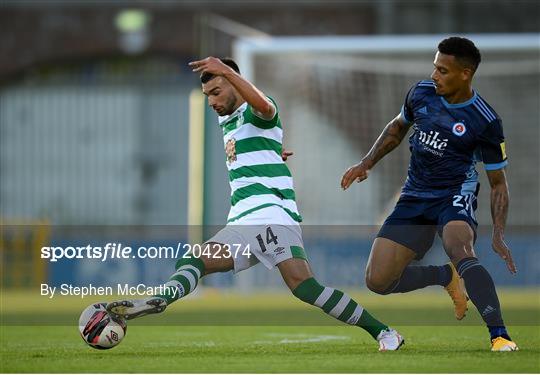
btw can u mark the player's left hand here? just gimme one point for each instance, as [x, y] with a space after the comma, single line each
[285, 154]
[210, 65]
[358, 173]
[500, 247]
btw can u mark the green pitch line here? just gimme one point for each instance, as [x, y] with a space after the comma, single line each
[210, 349]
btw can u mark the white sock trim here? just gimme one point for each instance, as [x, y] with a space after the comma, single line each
[190, 267]
[338, 309]
[188, 275]
[323, 297]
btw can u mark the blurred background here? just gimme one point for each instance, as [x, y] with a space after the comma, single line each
[104, 135]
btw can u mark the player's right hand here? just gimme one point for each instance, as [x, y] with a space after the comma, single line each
[358, 173]
[285, 154]
[500, 247]
[211, 65]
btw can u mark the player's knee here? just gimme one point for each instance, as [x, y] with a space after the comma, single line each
[458, 250]
[217, 265]
[293, 281]
[378, 284]
[458, 239]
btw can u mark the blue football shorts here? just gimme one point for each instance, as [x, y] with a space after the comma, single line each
[415, 221]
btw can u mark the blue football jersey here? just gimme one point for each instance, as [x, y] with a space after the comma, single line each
[447, 141]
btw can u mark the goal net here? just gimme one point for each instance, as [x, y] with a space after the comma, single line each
[337, 93]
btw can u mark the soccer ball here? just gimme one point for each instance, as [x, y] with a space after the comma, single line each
[98, 329]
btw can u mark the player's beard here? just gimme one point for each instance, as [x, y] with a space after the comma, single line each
[230, 106]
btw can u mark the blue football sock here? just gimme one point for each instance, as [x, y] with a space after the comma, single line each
[481, 291]
[417, 277]
[495, 331]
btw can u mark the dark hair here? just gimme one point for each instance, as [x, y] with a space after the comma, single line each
[205, 77]
[463, 50]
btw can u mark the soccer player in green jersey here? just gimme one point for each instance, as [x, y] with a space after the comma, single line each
[263, 211]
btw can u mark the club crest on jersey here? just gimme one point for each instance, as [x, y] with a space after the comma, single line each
[230, 150]
[459, 129]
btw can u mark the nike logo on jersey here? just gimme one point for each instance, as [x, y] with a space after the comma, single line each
[423, 110]
[432, 142]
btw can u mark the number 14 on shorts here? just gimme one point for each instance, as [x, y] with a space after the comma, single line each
[271, 238]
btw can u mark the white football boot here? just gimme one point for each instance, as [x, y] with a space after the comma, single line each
[389, 339]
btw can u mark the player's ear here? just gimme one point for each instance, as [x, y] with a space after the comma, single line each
[236, 93]
[467, 74]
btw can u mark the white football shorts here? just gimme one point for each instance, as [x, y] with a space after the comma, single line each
[270, 235]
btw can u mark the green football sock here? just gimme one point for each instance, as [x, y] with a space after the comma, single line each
[339, 305]
[370, 324]
[184, 280]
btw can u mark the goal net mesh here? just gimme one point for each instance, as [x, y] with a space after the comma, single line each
[334, 105]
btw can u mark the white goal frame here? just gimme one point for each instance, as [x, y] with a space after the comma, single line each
[245, 49]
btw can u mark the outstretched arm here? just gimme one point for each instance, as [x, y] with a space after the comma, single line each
[262, 106]
[390, 138]
[499, 212]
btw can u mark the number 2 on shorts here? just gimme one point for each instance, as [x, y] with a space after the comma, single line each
[461, 201]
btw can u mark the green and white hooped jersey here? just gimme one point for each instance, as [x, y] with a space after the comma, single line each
[258, 176]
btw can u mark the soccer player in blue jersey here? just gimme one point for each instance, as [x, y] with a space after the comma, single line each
[453, 128]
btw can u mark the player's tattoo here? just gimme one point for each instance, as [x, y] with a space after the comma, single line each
[499, 199]
[499, 208]
[390, 138]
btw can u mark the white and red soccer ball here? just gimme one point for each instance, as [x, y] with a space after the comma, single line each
[98, 329]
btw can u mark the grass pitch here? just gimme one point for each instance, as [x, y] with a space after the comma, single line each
[225, 348]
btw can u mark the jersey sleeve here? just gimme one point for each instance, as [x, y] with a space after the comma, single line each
[407, 111]
[492, 147]
[260, 122]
